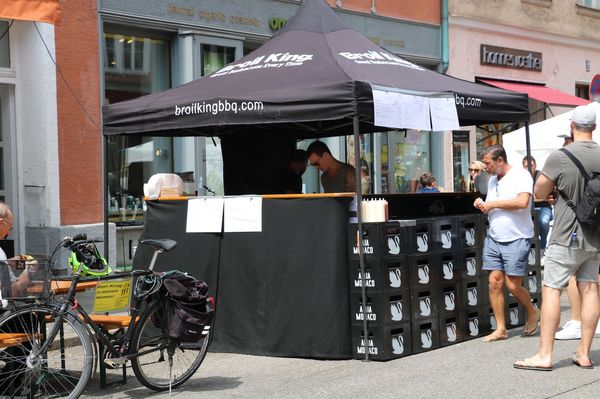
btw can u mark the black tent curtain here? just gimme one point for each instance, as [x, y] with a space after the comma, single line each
[312, 79]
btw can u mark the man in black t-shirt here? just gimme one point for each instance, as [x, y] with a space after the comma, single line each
[289, 180]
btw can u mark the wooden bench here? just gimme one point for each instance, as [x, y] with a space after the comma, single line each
[110, 322]
[12, 339]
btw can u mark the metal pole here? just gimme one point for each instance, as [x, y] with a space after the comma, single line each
[528, 152]
[105, 194]
[361, 255]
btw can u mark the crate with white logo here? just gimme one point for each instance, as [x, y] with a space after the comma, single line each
[382, 239]
[381, 309]
[383, 343]
[380, 275]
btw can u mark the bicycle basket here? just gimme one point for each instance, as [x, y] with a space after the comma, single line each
[38, 270]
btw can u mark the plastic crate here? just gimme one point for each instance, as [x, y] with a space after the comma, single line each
[383, 343]
[381, 274]
[470, 262]
[449, 265]
[470, 231]
[475, 324]
[425, 335]
[424, 242]
[383, 239]
[449, 297]
[445, 234]
[533, 281]
[451, 329]
[533, 260]
[381, 309]
[515, 315]
[471, 294]
[424, 303]
[423, 270]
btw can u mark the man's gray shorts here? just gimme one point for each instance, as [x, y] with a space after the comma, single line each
[560, 263]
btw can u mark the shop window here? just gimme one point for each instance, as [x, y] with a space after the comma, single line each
[590, 3]
[366, 160]
[460, 160]
[4, 47]
[582, 90]
[216, 57]
[408, 158]
[134, 65]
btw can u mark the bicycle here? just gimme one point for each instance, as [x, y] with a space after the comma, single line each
[56, 343]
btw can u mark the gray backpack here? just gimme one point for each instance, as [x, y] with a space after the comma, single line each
[587, 210]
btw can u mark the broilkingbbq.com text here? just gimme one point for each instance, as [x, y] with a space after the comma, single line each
[214, 108]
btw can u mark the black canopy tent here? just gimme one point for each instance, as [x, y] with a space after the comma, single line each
[312, 79]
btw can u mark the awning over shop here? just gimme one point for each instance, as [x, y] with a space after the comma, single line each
[31, 10]
[538, 92]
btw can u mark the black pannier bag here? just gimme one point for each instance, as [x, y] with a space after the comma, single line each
[188, 310]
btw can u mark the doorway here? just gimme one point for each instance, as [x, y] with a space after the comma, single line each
[7, 162]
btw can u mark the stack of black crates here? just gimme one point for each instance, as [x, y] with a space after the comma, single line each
[424, 285]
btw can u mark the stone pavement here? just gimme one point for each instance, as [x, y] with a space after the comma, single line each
[472, 369]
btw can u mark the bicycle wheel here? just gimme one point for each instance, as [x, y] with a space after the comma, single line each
[152, 369]
[61, 371]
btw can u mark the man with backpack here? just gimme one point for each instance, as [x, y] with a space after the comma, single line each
[574, 245]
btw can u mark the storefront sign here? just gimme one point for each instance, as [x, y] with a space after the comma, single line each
[595, 88]
[460, 135]
[511, 58]
[264, 18]
[276, 23]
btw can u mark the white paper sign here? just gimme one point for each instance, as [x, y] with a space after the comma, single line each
[399, 110]
[443, 114]
[243, 214]
[204, 215]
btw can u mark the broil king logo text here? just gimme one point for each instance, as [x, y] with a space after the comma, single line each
[379, 58]
[277, 60]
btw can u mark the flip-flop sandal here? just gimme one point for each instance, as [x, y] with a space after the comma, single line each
[528, 365]
[532, 328]
[576, 362]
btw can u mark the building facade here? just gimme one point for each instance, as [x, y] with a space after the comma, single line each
[54, 80]
[528, 44]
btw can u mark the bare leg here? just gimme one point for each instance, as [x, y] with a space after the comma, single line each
[496, 282]
[514, 285]
[550, 320]
[589, 319]
[574, 299]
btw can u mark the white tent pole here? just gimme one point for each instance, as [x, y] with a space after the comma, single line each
[528, 151]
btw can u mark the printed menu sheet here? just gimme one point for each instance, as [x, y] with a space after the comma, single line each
[243, 214]
[401, 111]
[205, 215]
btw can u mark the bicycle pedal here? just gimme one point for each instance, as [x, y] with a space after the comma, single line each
[114, 363]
